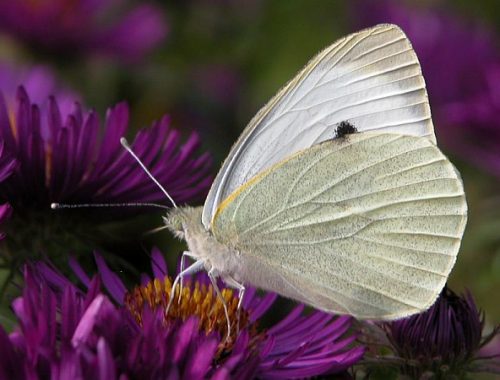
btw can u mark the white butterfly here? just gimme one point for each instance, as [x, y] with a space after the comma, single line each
[368, 224]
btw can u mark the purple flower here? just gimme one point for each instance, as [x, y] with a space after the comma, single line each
[461, 65]
[65, 331]
[75, 159]
[109, 27]
[443, 342]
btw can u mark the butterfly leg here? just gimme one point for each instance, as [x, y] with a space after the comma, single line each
[184, 254]
[193, 268]
[213, 274]
[230, 281]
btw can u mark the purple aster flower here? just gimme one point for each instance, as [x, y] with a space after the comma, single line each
[66, 331]
[75, 159]
[443, 342]
[109, 27]
[463, 87]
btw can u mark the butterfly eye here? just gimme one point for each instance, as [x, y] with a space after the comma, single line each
[174, 221]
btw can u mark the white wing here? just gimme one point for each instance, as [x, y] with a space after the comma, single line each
[369, 226]
[371, 78]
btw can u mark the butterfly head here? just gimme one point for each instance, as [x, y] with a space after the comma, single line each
[179, 220]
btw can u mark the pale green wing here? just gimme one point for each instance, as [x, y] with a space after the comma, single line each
[371, 78]
[370, 225]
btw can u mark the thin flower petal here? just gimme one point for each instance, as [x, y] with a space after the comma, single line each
[112, 282]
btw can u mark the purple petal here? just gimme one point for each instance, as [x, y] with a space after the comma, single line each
[79, 272]
[9, 365]
[263, 305]
[183, 338]
[158, 264]
[198, 363]
[105, 360]
[98, 310]
[111, 281]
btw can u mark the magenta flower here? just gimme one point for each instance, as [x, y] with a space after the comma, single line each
[461, 65]
[65, 332]
[109, 27]
[442, 342]
[75, 159]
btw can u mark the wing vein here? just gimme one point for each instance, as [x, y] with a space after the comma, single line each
[363, 168]
[364, 238]
[358, 284]
[378, 47]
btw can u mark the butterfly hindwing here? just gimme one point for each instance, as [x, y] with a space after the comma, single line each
[369, 225]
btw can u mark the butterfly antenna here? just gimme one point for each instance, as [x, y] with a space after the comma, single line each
[127, 147]
[58, 206]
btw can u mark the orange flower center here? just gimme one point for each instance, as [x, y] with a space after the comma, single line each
[197, 300]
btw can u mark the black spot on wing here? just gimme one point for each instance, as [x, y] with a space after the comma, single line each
[344, 128]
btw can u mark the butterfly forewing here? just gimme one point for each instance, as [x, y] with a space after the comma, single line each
[371, 78]
[369, 225]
